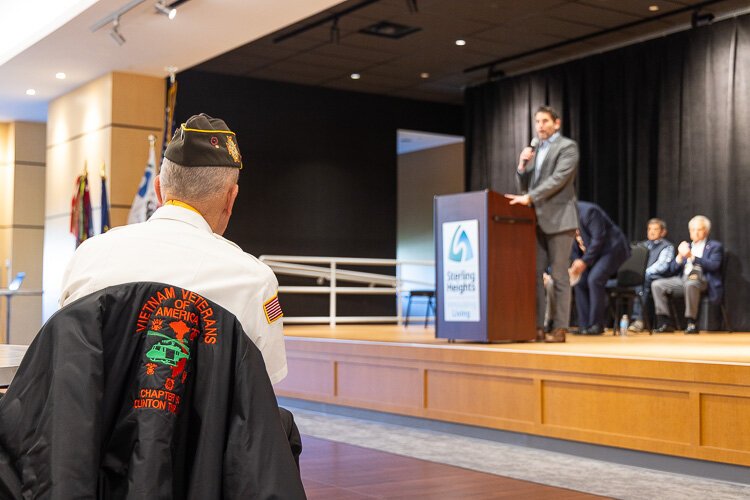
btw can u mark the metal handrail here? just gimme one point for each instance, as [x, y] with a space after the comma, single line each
[378, 284]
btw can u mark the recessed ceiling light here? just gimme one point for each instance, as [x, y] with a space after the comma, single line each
[424, 75]
[60, 75]
[460, 43]
[355, 76]
[653, 8]
[30, 92]
[388, 29]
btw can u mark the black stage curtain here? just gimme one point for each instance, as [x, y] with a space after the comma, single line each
[664, 131]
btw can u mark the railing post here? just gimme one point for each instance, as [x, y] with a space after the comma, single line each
[399, 302]
[332, 304]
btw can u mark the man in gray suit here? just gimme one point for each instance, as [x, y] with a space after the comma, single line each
[546, 177]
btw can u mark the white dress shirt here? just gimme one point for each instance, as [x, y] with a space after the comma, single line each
[541, 154]
[176, 246]
[696, 249]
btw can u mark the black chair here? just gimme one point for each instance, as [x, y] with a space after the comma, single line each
[705, 305]
[430, 294]
[630, 276]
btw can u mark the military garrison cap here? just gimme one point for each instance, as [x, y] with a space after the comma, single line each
[203, 141]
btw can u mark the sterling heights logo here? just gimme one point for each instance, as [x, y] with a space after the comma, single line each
[460, 249]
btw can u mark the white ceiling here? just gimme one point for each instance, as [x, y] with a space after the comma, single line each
[237, 37]
[202, 30]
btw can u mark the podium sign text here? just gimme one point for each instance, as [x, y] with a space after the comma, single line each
[485, 265]
[461, 270]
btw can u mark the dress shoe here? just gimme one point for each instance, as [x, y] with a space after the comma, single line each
[636, 326]
[555, 336]
[665, 328]
[691, 328]
[540, 334]
[594, 330]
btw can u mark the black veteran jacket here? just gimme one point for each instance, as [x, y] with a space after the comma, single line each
[141, 391]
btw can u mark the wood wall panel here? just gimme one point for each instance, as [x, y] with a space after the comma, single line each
[627, 411]
[22, 188]
[105, 121]
[379, 383]
[486, 396]
[309, 376]
[138, 101]
[726, 422]
[82, 111]
[685, 408]
[130, 149]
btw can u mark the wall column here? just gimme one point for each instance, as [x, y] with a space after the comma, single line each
[104, 122]
[22, 173]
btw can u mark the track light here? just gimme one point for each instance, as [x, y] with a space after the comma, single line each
[335, 33]
[167, 11]
[700, 19]
[115, 32]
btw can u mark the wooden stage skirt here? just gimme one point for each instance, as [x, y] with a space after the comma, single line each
[675, 394]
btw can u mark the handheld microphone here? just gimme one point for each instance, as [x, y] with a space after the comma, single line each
[533, 145]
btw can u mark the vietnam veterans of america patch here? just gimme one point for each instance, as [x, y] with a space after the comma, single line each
[272, 309]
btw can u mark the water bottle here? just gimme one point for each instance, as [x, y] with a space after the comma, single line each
[624, 325]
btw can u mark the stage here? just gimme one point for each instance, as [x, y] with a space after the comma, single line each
[675, 394]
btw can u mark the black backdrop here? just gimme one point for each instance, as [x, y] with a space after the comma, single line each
[664, 131]
[320, 170]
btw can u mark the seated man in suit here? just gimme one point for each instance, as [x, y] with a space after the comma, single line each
[660, 255]
[696, 268]
[598, 252]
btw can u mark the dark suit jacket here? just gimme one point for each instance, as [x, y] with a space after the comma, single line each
[553, 194]
[143, 390]
[600, 235]
[713, 253]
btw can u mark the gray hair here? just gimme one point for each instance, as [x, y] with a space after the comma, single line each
[196, 183]
[701, 219]
[660, 222]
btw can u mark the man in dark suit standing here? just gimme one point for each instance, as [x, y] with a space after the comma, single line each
[697, 268]
[597, 254]
[545, 178]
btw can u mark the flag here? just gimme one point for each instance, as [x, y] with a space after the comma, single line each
[145, 202]
[169, 112]
[81, 224]
[272, 308]
[105, 205]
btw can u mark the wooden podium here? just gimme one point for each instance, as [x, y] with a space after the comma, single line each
[485, 256]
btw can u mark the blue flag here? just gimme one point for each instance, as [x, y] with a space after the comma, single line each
[145, 202]
[105, 206]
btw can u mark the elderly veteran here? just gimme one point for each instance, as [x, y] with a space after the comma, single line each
[182, 244]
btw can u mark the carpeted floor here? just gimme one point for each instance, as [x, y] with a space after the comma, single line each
[550, 468]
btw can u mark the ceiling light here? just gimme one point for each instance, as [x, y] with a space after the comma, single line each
[355, 76]
[335, 33]
[653, 8]
[460, 42]
[701, 19]
[60, 75]
[115, 32]
[30, 92]
[387, 29]
[424, 75]
[163, 9]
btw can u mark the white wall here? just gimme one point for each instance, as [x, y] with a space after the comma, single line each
[421, 176]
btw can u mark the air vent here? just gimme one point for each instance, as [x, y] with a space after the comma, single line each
[389, 30]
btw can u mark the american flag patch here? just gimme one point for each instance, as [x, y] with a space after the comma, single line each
[272, 308]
